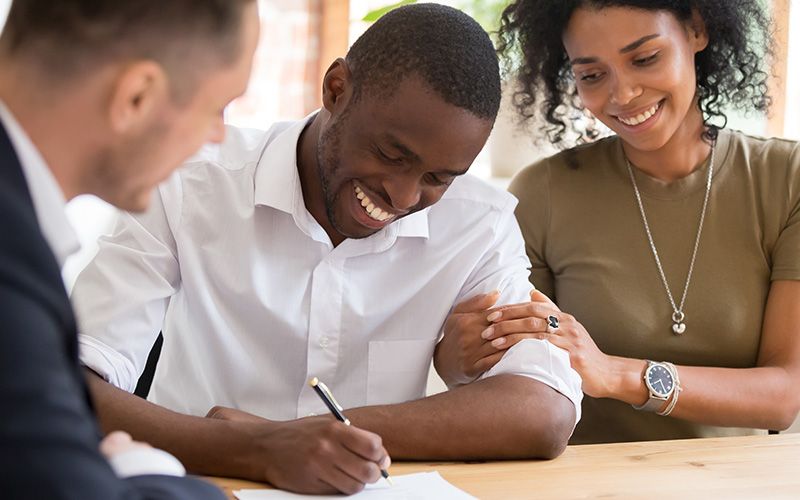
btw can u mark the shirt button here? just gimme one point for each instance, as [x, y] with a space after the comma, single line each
[323, 342]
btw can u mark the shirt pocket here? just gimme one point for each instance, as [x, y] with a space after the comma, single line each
[398, 370]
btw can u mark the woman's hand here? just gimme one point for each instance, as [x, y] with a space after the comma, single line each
[462, 355]
[586, 358]
[472, 345]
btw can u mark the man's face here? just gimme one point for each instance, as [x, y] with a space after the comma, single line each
[384, 158]
[127, 172]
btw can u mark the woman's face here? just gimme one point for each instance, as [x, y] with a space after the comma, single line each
[634, 71]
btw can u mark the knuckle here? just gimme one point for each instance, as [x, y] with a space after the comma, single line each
[352, 488]
[375, 446]
[367, 471]
[461, 322]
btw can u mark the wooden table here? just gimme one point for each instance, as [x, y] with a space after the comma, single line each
[752, 467]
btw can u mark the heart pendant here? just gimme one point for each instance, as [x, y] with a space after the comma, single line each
[678, 328]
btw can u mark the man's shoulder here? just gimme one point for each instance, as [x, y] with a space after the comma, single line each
[241, 147]
[478, 193]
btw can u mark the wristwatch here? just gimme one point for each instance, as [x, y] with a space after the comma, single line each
[660, 382]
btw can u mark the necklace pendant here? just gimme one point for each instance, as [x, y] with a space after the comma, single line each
[678, 326]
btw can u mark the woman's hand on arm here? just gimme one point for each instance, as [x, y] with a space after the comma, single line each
[472, 343]
[602, 375]
[761, 397]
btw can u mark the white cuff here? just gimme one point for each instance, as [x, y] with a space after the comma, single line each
[546, 363]
[142, 461]
[112, 366]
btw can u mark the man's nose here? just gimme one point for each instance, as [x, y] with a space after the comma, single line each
[404, 191]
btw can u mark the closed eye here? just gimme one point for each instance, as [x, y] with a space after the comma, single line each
[644, 61]
[439, 180]
[591, 77]
[388, 159]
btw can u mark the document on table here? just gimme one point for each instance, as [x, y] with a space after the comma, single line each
[420, 486]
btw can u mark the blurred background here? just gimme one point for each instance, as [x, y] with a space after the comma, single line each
[300, 39]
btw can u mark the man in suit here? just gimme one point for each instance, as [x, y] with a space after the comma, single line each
[107, 98]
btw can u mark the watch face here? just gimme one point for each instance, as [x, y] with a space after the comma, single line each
[659, 380]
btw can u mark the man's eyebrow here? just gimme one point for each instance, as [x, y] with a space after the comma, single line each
[624, 50]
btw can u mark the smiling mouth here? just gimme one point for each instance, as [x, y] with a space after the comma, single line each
[373, 211]
[642, 117]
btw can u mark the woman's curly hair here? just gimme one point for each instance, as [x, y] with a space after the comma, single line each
[729, 71]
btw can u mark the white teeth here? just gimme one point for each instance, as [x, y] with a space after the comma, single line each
[372, 210]
[640, 118]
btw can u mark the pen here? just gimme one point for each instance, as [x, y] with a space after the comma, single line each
[327, 397]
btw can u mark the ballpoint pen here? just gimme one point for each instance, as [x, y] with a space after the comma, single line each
[327, 397]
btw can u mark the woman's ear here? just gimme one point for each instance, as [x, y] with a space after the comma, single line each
[697, 32]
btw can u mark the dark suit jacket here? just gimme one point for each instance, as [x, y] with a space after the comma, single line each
[48, 435]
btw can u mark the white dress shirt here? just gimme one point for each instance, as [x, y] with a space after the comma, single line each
[49, 204]
[254, 300]
[48, 199]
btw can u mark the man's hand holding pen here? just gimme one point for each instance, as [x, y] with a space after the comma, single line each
[314, 455]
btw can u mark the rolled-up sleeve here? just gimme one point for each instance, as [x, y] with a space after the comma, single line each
[121, 297]
[505, 267]
[540, 360]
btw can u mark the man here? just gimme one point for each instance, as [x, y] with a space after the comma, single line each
[332, 247]
[107, 98]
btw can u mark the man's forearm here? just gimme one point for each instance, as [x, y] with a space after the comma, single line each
[506, 416]
[204, 445]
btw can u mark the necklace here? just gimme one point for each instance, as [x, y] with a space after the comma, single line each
[678, 326]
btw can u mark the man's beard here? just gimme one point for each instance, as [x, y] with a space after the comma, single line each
[328, 164]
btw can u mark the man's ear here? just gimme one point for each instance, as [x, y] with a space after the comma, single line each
[697, 32]
[139, 90]
[337, 86]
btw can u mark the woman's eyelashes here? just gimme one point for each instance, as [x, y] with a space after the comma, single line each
[592, 76]
[647, 59]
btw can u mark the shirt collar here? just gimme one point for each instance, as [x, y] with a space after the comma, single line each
[277, 183]
[48, 199]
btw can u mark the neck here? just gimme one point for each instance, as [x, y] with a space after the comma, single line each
[53, 122]
[684, 153]
[310, 182]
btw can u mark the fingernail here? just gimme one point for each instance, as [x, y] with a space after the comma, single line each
[386, 463]
[487, 333]
[499, 342]
[494, 316]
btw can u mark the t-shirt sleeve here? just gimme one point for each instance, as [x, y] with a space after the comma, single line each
[786, 252]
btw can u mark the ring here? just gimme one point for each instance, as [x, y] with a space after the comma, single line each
[552, 324]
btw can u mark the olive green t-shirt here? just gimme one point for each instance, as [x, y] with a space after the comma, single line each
[589, 250]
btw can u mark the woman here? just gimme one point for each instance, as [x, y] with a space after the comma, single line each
[673, 244]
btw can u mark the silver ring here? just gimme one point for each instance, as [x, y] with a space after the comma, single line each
[552, 324]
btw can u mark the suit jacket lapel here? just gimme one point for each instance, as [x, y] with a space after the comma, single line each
[14, 188]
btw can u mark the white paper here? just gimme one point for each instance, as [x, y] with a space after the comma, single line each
[420, 486]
